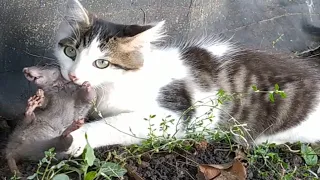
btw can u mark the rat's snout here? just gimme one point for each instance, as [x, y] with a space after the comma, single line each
[72, 77]
[27, 74]
[31, 74]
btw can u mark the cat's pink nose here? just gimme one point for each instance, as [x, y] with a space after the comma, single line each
[72, 77]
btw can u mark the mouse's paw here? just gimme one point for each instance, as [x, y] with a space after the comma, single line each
[86, 84]
[87, 93]
[17, 173]
[36, 101]
[86, 87]
[78, 143]
[76, 124]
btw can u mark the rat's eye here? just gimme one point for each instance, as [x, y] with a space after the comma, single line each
[101, 63]
[70, 52]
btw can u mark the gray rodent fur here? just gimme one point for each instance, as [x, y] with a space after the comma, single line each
[58, 108]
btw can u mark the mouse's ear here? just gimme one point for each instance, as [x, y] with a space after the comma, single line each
[75, 12]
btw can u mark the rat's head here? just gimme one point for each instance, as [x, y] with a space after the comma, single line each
[91, 49]
[44, 77]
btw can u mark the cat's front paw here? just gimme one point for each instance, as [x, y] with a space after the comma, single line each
[78, 143]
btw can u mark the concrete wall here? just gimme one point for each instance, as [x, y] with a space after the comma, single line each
[27, 29]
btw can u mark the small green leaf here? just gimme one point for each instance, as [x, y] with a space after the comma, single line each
[271, 97]
[61, 163]
[96, 162]
[152, 116]
[112, 169]
[61, 177]
[283, 95]
[89, 153]
[32, 176]
[45, 160]
[90, 175]
[276, 87]
[309, 155]
[254, 88]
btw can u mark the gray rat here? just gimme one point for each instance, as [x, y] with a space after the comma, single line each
[58, 108]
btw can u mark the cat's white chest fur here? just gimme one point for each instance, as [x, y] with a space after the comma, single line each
[123, 97]
[139, 91]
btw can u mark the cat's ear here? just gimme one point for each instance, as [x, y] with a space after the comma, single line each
[75, 12]
[144, 35]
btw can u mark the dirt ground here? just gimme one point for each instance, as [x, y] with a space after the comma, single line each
[164, 166]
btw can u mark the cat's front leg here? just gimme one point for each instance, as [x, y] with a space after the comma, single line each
[123, 129]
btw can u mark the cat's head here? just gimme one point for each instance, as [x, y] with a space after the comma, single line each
[91, 49]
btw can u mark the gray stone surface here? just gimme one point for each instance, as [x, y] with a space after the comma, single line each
[27, 29]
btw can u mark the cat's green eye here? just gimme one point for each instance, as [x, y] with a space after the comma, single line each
[101, 63]
[70, 52]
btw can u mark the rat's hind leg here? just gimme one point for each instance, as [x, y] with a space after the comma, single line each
[13, 166]
[35, 101]
[76, 124]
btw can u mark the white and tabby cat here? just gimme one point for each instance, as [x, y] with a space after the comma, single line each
[135, 79]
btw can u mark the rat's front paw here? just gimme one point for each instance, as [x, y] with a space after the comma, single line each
[33, 103]
[76, 124]
[78, 143]
[87, 93]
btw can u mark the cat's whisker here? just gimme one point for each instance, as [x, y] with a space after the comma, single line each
[102, 95]
[39, 56]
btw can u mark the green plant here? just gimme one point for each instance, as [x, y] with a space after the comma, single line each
[309, 155]
[268, 161]
[87, 168]
[271, 93]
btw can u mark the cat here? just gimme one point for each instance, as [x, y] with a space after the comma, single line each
[135, 77]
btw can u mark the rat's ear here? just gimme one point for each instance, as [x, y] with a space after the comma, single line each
[75, 12]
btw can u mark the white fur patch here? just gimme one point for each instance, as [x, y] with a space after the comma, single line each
[125, 129]
[219, 50]
[83, 67]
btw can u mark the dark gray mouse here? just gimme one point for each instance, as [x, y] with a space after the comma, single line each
[58, 108]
